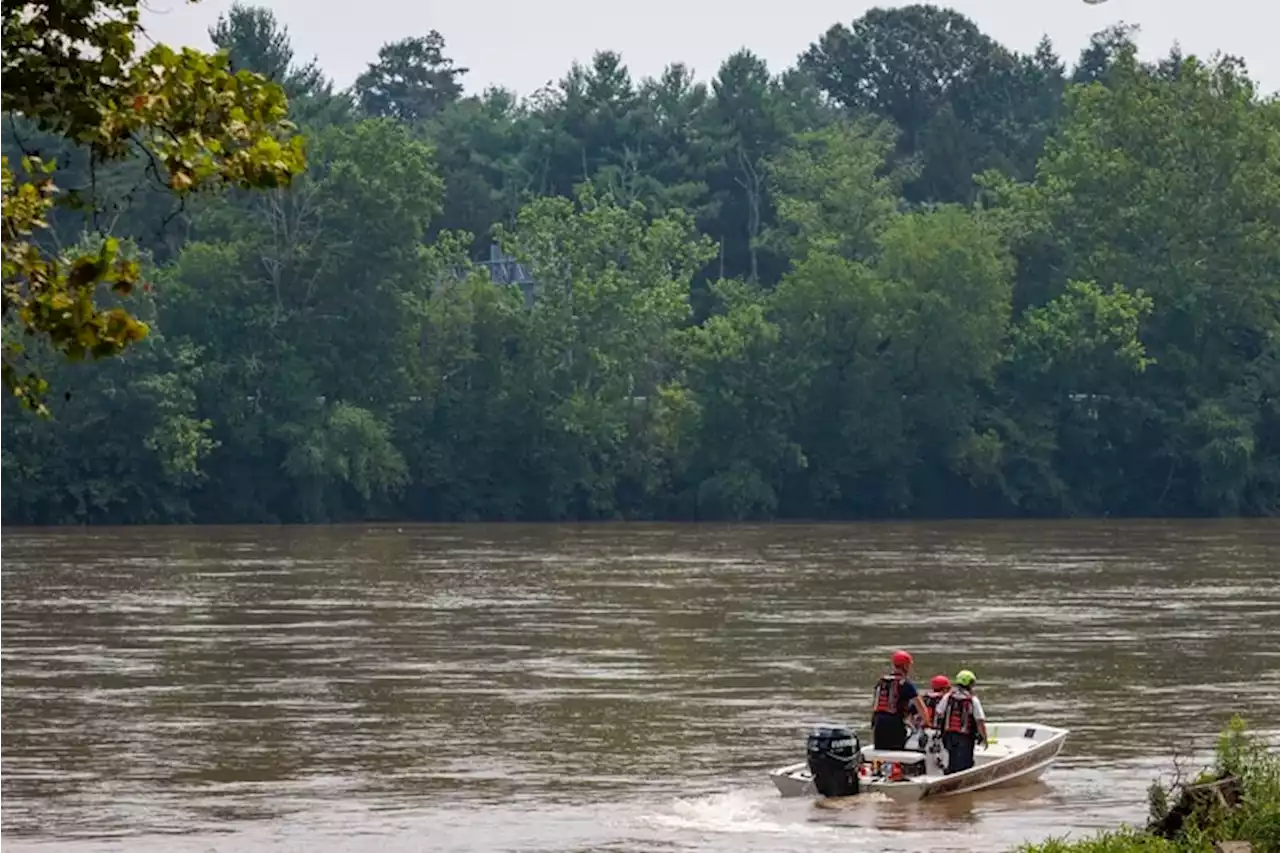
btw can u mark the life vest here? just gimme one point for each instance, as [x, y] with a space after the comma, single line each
[931, 700]
[959, 713]
[888, 691]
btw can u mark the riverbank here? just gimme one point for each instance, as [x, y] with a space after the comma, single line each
[1250, 814]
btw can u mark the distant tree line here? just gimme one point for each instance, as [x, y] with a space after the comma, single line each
[917, 274]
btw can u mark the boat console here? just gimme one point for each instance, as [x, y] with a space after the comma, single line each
[892, 764]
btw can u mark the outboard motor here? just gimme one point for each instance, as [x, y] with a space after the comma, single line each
[834, 756]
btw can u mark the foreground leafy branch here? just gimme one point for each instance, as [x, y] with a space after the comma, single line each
[72, 69]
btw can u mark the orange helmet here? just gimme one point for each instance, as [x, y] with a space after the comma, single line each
[901, 659]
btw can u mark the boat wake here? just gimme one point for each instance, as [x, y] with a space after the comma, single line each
[735, 812]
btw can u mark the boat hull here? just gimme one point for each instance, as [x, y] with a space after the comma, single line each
[1020, 753]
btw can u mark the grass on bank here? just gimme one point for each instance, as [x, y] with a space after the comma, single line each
[1255, 820]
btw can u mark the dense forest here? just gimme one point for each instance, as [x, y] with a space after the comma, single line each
[917, 274]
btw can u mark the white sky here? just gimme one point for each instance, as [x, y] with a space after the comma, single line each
[522, 45]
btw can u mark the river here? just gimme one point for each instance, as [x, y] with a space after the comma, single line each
[379, 689]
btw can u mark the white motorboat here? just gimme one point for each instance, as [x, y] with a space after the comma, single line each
[1015, 754]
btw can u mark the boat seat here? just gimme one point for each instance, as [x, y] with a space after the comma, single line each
[895, 755]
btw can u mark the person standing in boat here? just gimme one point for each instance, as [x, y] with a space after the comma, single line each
[960, 717]
[938, 687]
[894, 695]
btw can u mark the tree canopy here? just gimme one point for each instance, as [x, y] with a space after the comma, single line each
[916, 274]
[73, 71]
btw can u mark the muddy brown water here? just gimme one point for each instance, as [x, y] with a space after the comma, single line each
[596, 688]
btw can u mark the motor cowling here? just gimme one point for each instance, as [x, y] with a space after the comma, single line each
[834, 756]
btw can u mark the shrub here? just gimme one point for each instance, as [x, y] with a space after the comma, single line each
[1256, 819]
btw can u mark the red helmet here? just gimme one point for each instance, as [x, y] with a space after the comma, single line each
[940, 682]
[901, 659]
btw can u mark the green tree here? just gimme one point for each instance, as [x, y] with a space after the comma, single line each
[674, 147]
[255, 41]
[592, 119]
[748, 125]
[904, 64]
[74, 70]
[298, 297]
[834, 191]
[1069, 376]
[484, 148]
[963, 102]
[612, 289]
[124, 444]
[472, 417]
[918, 274]
[952, 290]
[747, 393]
[1168, 182]
[411, 81]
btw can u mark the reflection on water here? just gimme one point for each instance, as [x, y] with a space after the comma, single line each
[599, 687]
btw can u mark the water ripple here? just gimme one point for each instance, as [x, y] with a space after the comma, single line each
[594, 687]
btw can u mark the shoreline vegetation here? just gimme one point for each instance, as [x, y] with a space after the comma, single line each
[1237, 799]
[915, 275]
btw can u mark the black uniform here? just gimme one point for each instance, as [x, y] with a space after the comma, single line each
[894, 695]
